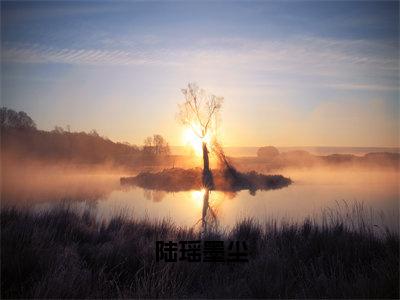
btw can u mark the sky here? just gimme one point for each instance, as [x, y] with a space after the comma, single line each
[291, 73]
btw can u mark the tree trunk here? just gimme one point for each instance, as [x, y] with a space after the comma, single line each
[208, 181]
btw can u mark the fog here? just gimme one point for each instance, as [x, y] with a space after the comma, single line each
[34, 180]
[314, 189]
[37, 181]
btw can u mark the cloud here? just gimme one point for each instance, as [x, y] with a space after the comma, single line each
[12, 12]
[364, 87]
[39, 54]
[333, 63]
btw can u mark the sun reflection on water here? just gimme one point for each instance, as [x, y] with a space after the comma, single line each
[197, 197]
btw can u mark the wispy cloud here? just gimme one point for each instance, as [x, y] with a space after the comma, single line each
[339, 62]
[363, 87]
[40, 54]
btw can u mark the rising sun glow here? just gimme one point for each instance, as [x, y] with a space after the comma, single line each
[191, 139]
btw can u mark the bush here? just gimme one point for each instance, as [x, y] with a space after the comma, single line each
[267, 152]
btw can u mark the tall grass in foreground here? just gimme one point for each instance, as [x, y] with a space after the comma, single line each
[62, 253]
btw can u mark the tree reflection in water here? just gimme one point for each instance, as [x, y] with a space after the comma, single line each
[206, 199]
[209, 219]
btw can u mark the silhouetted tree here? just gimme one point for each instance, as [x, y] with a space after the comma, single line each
[93, 132]
[156, 145]
[161, 146]
[58, 129]
[148, 146]
[20, 120]
[200, 112]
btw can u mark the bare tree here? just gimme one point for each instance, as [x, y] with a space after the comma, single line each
[156, 145]
[200, 112]
[161, 146]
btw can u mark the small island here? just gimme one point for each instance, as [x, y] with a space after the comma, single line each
[178, 179]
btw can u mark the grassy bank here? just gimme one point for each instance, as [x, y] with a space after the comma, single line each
[65, 254]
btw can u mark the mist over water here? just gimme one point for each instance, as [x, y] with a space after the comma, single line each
[314, 190]
[249, 151]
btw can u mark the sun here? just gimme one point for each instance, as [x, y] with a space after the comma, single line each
[191, 139]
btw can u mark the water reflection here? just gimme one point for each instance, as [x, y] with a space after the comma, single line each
[208, 216]
[204, 200]
[312, 192]
[50, 187]
[154, 195]
[210, 204]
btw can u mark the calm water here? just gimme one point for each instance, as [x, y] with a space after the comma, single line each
[311, 193]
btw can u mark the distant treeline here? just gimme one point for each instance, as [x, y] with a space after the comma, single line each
[271, 158]
[20, 139]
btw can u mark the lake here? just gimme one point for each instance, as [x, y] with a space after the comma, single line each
[313, 192]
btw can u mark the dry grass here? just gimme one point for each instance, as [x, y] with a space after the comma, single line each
[65, 254]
